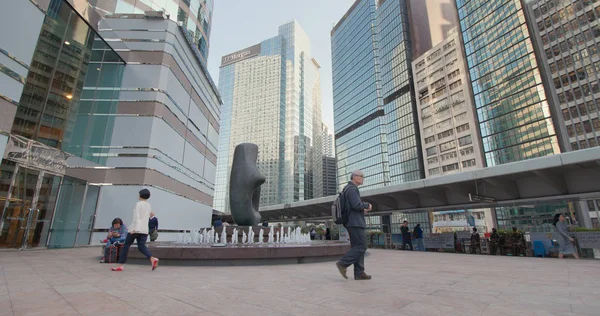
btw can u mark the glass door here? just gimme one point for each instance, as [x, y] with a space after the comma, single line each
[68, 214]
[88, 216]
[38, 223]
[18, 200]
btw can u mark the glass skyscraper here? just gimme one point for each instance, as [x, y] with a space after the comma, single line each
[271, 97]
[399, 105]
[360, 137]
[511, 101]
[374, 108]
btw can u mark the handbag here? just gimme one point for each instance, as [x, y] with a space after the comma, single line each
[154, 235]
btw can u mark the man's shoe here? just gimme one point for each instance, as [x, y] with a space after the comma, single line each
[342, 270]
[363, 276]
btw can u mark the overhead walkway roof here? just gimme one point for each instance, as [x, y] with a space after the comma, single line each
[567, 176]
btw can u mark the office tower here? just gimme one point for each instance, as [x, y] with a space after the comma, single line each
[271, 97]
[360, 137]
[398, 101]
[568, 38]
[511, 101]
[446, 113]
[431, 22]
[373, 105]
[330, 186]
[96, 109]
[328, 144]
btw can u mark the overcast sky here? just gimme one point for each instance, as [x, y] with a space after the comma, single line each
[238, 24]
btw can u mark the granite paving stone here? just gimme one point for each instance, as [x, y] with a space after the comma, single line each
[72, 282]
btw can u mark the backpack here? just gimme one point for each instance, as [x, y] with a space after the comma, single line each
[340, 216]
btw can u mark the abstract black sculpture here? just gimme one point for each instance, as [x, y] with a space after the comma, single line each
[244, 185]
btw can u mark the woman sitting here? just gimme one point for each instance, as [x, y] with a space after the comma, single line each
[116, 233]
[116, 236]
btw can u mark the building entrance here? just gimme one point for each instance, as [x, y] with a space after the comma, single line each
[27, 202]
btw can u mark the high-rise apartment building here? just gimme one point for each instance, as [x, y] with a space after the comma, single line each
[449, 130]
[568, 36]
[95, 107]
[271, 97]
[511, 100]
[374, 108]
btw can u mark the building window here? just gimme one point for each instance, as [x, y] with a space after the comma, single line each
[455, 84]
[447, 156]
[433, 171]
[450, 55]
[461, 117]
[432, 160]
[428, 130]
[465, 140]
[433, 56]
[453, 74]
[462, 128]
[450, 167]
[439, 93]
[445, 134]
[468, 163]
[444, 124]
[466, 151]
[438, 84]
[426, 111]
[458, 96]
[431, 151]
[447, 146]
[430, 139]
[449, 45]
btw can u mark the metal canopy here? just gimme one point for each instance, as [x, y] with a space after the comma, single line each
[568, 176]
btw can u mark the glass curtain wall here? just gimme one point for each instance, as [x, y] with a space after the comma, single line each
[50, 108]
[94, 120]
[74, 216]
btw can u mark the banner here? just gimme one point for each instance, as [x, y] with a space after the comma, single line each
[463, 234]
[588, 239]
[443, 240]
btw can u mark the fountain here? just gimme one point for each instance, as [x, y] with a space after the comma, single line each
[211, 246]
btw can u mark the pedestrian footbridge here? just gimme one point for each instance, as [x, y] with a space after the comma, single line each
[567, 176]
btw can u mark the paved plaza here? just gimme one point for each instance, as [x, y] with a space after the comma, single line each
[72, 282]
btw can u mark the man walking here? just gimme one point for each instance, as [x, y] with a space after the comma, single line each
[355, 209]
[406, 236]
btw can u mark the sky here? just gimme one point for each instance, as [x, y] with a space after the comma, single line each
[237, 24]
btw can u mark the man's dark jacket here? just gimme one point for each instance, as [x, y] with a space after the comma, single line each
[355, 206]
